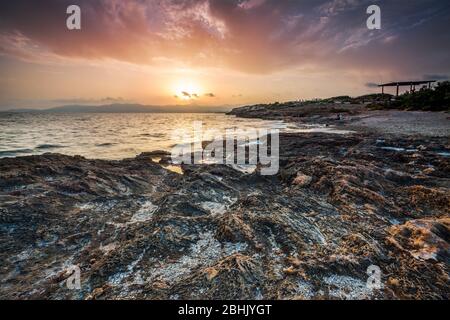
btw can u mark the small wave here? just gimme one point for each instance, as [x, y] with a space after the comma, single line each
[106, 144]
[152, 135]
[14, 152]
[49, 146]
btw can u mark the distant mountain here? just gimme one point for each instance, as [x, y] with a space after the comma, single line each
[19, 110]
[127, 108]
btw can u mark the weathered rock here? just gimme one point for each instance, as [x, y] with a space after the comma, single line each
[302, 180]
[139, 231]
[425, 239]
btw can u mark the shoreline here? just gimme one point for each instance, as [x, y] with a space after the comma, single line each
[354, 119]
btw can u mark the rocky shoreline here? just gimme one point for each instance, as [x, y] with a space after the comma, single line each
[340, 204]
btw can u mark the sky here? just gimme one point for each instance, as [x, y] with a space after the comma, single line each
[214, 52]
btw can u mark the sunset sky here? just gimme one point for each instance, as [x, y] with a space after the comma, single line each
[214, 52]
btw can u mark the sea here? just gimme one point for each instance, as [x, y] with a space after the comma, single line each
[111, 136]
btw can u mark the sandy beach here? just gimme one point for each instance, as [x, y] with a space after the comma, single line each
[429, 124]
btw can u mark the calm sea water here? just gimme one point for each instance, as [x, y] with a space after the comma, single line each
[106, 136]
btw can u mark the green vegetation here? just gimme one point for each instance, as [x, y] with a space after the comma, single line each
[365, 99]
[435, 99]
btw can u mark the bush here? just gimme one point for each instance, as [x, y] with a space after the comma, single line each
[436, 99]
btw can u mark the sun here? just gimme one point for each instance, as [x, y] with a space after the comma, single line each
[187, 90]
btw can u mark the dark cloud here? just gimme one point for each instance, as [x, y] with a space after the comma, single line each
[210, 95]
[257, 36]
[437, 77]
[371, 85]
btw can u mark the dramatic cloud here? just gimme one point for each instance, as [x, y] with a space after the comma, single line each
[253, 36]
[240, 51]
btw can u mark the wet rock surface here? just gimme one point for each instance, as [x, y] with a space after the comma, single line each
[339, 204]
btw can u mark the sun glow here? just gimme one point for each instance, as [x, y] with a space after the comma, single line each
[187, 90]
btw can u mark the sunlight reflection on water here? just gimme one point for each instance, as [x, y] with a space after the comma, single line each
[107, 135]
